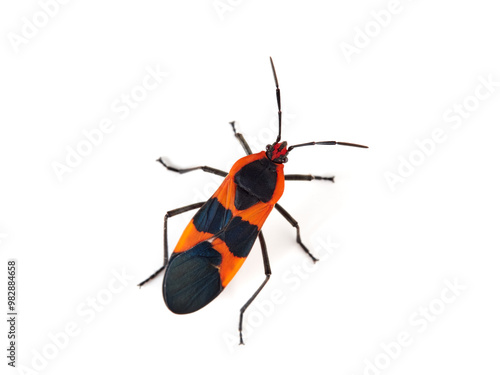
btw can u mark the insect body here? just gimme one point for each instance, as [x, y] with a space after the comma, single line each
[221, 234]
[218, 239]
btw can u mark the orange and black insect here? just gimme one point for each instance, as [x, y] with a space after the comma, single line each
[221, 234]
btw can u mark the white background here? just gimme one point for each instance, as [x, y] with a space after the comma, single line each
[387, 253]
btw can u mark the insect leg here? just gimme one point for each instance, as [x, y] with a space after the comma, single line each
[242, 140]
[294, 223]
[267, 270]
[307, 177]
[171, 213]
[204, 168]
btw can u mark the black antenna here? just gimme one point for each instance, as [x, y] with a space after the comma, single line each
[278, 98]
[331, 143]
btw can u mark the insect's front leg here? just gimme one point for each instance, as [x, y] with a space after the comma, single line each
[241, 139]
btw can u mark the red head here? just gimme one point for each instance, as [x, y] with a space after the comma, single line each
[277, 152]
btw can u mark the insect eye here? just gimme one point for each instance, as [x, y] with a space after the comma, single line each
[285, 159]
[268, 147]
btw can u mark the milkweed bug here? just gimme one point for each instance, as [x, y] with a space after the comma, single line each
[221, 234]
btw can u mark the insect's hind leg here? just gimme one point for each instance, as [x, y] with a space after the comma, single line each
[241, 139]
[171, 213]
[295, 224]
[267, 270]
